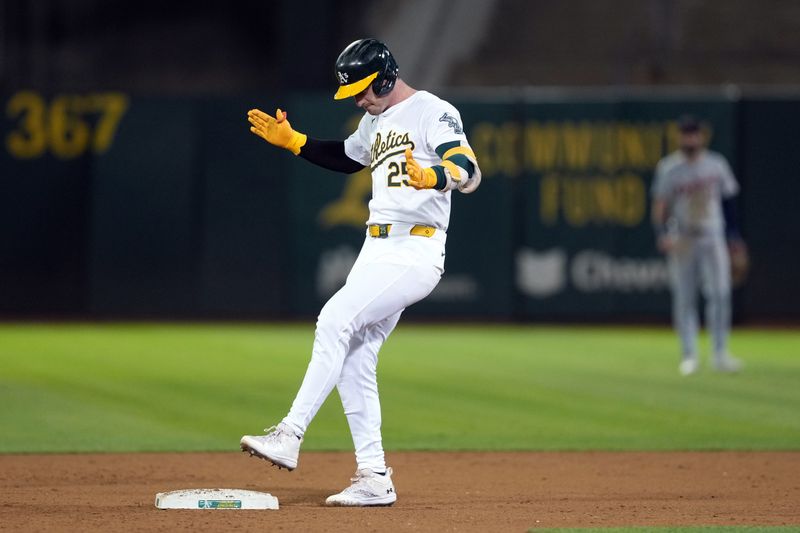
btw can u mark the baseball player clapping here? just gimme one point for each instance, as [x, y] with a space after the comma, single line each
[414, 144]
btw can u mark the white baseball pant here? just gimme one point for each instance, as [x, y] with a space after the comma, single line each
[389, 275]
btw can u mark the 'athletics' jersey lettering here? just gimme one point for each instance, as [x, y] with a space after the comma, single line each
[392, 144]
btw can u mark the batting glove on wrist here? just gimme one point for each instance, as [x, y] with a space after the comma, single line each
[276, 131]
[418, 177]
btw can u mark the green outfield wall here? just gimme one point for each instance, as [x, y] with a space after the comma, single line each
[116, 205]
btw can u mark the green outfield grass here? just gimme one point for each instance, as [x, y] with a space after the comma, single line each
[200, 387]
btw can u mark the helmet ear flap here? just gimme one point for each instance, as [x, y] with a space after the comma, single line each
[384, 83]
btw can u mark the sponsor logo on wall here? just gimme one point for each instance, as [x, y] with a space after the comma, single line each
[541, 274]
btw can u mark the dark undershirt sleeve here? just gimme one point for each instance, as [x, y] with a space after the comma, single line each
[330, 155]
[731, 218]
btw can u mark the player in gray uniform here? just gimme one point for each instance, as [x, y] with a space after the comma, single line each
[692, 189]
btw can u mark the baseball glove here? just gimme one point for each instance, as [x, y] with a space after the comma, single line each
[740, 261]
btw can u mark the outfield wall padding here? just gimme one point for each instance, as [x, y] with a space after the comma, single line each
[124, 206]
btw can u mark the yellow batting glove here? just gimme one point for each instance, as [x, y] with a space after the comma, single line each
[276, 130]
[418, 177]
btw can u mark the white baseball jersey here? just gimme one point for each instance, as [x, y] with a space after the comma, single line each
[693, 190]
[422, 122]
[390, 273]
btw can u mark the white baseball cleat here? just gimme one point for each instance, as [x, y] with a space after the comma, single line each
[368, 489]
[280, 446]
[727, 363]
[689, 366]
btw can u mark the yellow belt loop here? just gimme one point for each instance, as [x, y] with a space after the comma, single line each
[379, 230]
[422, 231]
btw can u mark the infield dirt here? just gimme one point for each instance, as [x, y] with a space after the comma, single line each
[463, 491]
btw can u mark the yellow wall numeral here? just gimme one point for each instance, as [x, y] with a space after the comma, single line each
[69, 133]
[70, 126]
[112, 107]
[30, 138]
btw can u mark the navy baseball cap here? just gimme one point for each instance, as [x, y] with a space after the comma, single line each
[688, 124]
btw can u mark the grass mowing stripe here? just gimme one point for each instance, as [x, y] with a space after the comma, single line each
[129, 387]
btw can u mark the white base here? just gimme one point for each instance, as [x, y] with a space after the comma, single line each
[216, 499]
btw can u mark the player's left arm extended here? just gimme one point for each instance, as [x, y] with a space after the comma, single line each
[277, 131]
[458, 170]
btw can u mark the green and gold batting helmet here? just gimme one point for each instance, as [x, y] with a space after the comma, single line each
[363, 63]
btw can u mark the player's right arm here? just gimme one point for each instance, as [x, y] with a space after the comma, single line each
[278, 132]
[665, 242]
[458, 169]
[659, 211]
[658, 216]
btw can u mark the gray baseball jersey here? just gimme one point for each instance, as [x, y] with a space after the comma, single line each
[693, 190]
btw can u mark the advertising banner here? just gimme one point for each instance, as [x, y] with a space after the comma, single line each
[587, 247]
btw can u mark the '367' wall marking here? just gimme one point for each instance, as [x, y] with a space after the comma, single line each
[68, 126]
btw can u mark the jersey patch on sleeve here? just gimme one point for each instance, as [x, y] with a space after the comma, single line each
[452, 122]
